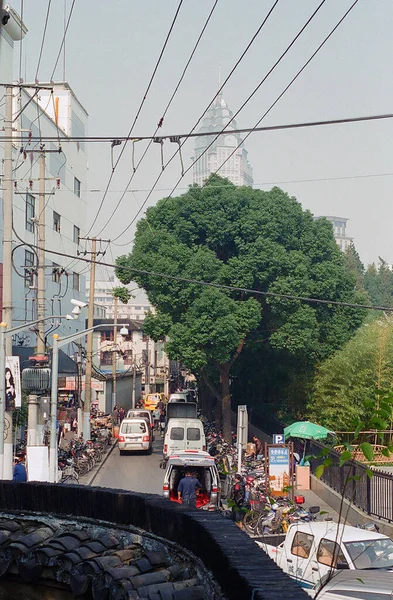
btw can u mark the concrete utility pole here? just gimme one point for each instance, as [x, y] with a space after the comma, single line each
[7, 266]
[147, 369]
[114, 353]
[89, 344]
[41, 257]
[133, 383]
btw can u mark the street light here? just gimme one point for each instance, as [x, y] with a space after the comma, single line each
[58, 342]
[6, 469]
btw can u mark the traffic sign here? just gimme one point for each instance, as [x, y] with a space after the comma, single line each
[278, 438]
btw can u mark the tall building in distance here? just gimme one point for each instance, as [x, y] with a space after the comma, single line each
[237, 168]
[339, 231]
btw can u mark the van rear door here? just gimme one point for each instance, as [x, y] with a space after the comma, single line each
[176, 439]
[194, 437]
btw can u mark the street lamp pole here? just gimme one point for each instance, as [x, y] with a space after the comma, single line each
[6, 469]
[57, 343]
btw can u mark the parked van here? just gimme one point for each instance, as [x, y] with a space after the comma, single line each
[183, 434]
[135, 434]
[205, 469]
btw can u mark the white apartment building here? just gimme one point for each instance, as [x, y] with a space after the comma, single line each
[237, 168]
[55, 113]
[135, 309]
[339, 231]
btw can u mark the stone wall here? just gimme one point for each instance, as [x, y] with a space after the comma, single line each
[242, 569]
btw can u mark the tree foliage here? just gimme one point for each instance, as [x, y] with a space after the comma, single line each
[378, 282]
[349, 381]
[122, 293]
[248, 239]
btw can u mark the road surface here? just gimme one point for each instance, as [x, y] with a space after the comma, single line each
[136, 471]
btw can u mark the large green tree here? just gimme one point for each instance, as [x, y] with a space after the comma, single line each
[247, 239]
[378, 282]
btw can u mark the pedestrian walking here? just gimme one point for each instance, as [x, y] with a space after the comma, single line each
[19, 472]
[187, 489]
[156, 418]
[258, 446]
[162, 422]
[121, 414]
[115, 416]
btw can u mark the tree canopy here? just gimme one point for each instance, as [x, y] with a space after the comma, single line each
[348, 382]
[250, 240]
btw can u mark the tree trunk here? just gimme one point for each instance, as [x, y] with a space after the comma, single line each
[226, 402]
[218, 414]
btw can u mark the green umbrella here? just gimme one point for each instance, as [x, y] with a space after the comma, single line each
[306, 431]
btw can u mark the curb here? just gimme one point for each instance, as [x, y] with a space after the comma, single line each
[94, 472]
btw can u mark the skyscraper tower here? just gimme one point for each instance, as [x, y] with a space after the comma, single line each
[237, 169]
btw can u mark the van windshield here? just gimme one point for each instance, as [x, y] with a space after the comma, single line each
[133, 427]
[371, 554]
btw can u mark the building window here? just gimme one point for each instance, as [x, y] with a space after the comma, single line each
[30, 212]
[29, 268]
[56, 221]
[77, 187]
[56, 273]
[77, 233]
[75, 281]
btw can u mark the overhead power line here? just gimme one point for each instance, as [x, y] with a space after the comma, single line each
[43, 39]
[137, 114]
[290, 84]
[300, 125]
[225, 128]
[161, 121]
[263, 116]
[230, 288]
[63, 40]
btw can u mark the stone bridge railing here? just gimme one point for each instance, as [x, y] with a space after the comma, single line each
[242, 569]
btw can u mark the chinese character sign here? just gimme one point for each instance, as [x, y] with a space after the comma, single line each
[279, 469]
[13, 389]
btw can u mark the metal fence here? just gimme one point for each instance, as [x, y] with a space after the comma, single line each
[372, 495]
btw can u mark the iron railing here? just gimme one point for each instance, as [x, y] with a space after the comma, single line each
[372, 495]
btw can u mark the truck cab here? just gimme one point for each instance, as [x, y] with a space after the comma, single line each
[312, 550]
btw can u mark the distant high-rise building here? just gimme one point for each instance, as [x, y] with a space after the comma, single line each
[339, 231]
[237, 168]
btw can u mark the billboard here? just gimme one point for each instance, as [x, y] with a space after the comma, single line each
[13, 388]
[279, 469]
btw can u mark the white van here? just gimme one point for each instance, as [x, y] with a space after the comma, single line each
[183, 434]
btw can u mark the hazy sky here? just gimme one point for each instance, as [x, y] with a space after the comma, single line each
[111, 50]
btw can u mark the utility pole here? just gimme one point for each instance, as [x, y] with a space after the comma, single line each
[133, 383]
[114, 354]
[89, 343]
[147, 369]
[41, 257]
[7, 268]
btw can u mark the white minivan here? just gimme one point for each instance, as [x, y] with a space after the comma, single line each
[183, 434]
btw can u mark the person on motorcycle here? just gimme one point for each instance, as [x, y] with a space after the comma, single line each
[238, 496]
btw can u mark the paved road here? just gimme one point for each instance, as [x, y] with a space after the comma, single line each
[135, 471]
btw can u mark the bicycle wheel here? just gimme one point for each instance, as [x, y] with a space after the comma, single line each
[250, 521]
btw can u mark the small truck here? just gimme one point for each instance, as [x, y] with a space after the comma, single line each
[314, 549]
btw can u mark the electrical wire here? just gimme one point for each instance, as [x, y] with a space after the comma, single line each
[229, 288]
[161, 121]
[63, 40]
[137, 113]
[218, 134]
[289, 85]
[257, 124]
[186, 136]
[43, 39]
